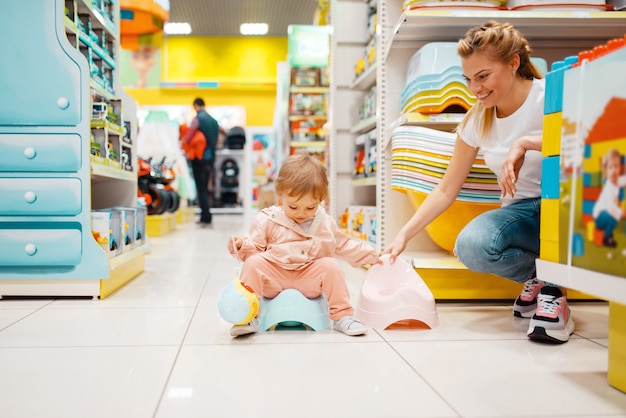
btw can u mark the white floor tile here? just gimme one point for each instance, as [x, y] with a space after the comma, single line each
[517, 378]
[98, 327]
[77, 382]
[158, 348]
[297, 380]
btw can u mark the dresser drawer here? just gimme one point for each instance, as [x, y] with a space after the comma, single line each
[37, 196]
[40, 153]
[40, 247]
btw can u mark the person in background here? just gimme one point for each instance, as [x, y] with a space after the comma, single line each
[293, 245]
[506, 123]
[202, 168]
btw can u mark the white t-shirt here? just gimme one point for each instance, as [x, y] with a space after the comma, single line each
[527, 120]
[608, 199]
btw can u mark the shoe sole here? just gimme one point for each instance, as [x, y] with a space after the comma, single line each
[241, 333]
[525, 315]
[552, 336]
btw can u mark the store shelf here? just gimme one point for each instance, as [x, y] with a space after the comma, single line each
[364, 181]
[539, 27]
[364, 125]
[103, 171]
[366, 79]
[307, 144]
[604, 286]
[309, 90]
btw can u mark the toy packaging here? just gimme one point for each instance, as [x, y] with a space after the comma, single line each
[105, 227]
[592, 166]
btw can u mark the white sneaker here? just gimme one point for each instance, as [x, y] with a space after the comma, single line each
[350, 326]
[245, 329]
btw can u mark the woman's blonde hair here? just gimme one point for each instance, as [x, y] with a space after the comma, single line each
[501, 41]
[302, 174]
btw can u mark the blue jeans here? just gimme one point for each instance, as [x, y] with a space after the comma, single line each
[503, 241]
[606, 223]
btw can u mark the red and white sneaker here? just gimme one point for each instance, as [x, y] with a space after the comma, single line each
[552, 322]
[526, 303]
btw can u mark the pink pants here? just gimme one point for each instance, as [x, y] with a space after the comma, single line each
[323, 275]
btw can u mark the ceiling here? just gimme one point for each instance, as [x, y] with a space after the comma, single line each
[223, 17]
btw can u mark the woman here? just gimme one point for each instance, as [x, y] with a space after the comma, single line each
[506, 123]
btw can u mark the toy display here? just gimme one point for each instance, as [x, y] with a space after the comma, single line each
[235, 138]
[155, 186]
[307, 104]
[237, 303]
[229, 182]
[305, 77]
[592, 165]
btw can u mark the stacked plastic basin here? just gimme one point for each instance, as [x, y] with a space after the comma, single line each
[434, 81]
[420, 157]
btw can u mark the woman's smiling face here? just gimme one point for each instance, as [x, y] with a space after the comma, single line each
[490, 80]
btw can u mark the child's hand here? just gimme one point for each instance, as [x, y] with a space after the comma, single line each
[234, 245]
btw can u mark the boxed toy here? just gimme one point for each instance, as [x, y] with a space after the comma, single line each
[105, 227]
[128, 217]
[140, 226]
[593, 175]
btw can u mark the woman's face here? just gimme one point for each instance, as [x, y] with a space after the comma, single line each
[490, 80]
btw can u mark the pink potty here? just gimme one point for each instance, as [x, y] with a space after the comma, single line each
[395, 292]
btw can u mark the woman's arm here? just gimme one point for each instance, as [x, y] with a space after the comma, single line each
[514, 161]
[439, 199]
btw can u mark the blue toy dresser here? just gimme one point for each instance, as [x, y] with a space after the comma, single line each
[46, 241]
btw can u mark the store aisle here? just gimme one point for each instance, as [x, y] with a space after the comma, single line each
[157, 348]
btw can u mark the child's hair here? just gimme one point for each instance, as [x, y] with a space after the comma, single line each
[610, 155]
[502, 42]
[302, 174]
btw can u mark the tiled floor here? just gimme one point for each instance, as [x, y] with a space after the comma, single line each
[157, 348]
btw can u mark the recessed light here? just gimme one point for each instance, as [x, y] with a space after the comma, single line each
[177, 28]
[253, 28]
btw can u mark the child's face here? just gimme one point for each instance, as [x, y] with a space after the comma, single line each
[613, 168]
[300, 209]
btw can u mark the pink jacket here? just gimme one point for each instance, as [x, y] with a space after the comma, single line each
[283, 242]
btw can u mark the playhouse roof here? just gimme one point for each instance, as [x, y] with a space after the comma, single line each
[611, 124]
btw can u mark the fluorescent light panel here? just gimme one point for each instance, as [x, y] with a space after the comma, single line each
[177, 28]
[253, 28]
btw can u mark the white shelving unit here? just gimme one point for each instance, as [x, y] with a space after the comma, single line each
[348, 43]
[552, 35]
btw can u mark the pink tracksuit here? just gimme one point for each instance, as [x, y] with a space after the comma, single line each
[278, 254]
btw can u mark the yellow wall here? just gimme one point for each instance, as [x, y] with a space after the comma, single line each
[244, 67]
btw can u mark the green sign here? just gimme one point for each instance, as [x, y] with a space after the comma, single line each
[309, 46]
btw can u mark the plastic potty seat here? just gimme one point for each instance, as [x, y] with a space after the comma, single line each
[292, 308]
[395, 292]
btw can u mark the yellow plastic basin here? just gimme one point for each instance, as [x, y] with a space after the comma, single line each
[444, 230]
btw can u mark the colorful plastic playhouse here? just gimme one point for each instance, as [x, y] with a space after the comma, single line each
[584, 123]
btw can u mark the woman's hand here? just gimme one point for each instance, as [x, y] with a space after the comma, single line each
[511, 167]
[397, 246]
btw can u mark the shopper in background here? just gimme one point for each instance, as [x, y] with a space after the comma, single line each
[202, 167]
[506, 123]
[293, 245]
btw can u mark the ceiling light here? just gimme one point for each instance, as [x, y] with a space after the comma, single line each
[253, 28]
[176, 28]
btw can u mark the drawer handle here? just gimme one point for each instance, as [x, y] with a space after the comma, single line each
[30, 249]
[30, 197]
[63, 103]
[30, 153]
